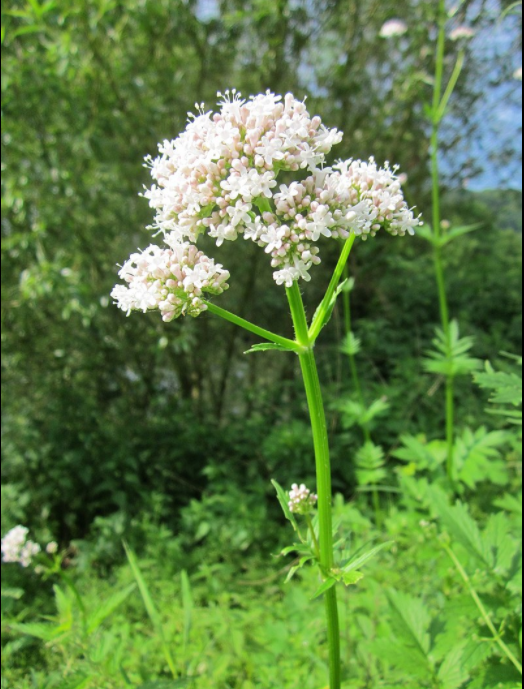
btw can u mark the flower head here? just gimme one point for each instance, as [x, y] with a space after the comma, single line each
[394, 28]
[16, 548]
[220, 177]
[463, 33]
[301, 500]
[52, 548]
[172, 279]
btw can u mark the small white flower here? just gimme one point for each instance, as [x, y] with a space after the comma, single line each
[301, 500]
[463, 33]
[394, 28]
[16, 548]
[52, 548]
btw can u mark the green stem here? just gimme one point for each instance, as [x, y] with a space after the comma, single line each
[438, 114]
[323, 466]
[378, 510]
[261, 332]
[450, 427]
[312, 531]
[327, 302]
[485, 615]
[352, 358]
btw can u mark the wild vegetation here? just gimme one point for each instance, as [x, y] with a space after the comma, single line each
[140, 454]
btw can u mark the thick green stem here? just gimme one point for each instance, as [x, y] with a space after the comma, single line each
[323, 466]
[480, 605]
[438, 114]
[261, 332]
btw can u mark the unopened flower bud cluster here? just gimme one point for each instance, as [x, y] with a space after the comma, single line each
[17, 548]
[301, 500]
[171, 279]
[220, 177]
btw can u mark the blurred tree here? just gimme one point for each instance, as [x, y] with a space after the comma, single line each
[100, 411]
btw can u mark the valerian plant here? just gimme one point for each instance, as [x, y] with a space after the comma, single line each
[221, 178]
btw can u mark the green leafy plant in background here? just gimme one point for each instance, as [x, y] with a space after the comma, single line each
[451, 355]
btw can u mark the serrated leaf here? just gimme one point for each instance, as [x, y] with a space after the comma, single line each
[499, 546]
[478, 457]
[351, 345]
[325, 587]
[461, 526]
[39, 630]
[351, 578]
[401, 657]
[370, 456]
[362, 556]
[423, 454]
[450, 356]
[452, 674]
[107, 608]
[411, 619]
[268, 347]
[283, 498]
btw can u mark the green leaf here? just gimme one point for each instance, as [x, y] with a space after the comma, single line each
[457, 232]
[39, 630]
[419, 452]
[298, 567]
[331, 307]
[283, 498]
[267, 347]
[450, 356]
[461, 526]
[352, 578]
[187, 604]
[351, 345]
[363, 556]
[14, 594]
[478, 457]
[411, 620]
[107, 608]
[452, 674]
[325, 587]
[166, 684]
[78, 682]
[150, 607]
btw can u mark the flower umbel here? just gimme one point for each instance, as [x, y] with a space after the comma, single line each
[172, 279]
[394, 28]
[17, 548]
[301, 500]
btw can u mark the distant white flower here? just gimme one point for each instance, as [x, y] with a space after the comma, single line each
[518, 74]
[463, 33]
[394, 28]
[301, 500]
[52, 548]
[16, 548]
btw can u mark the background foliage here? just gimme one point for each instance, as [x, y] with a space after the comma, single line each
[168, 436]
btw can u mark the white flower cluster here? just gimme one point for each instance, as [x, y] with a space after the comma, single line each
[394, 28]
[301, 500]
[220, 178]
[172, 279]
[16, 548]
[210, 178]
